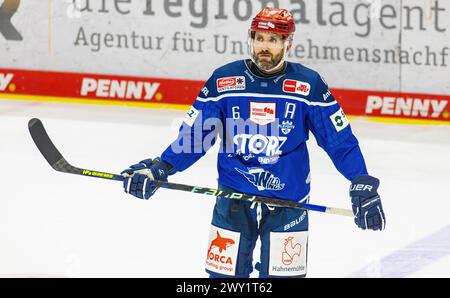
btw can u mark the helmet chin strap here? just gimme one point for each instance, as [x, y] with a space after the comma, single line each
[252, 56]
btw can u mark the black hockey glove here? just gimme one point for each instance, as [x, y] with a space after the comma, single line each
[366, 203]
[139, 182]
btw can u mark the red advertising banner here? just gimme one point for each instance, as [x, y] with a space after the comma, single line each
[181, 93]
[395, 105]
[99, 87]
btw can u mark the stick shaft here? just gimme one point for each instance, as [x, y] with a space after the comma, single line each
[254, 198]
[59, 163]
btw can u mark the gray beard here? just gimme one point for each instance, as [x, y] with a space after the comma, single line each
[268, 65]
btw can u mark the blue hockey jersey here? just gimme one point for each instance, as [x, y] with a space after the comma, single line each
[263, 125]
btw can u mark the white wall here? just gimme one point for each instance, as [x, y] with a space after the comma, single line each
[63, 35]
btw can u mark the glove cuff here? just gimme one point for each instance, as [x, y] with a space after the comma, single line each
[366, 179]
[160, 169]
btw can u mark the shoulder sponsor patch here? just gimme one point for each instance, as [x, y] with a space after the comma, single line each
[339, 120]
[231, 83]
[297, 87]
[191, 115]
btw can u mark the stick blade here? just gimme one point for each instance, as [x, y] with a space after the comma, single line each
[43, 142]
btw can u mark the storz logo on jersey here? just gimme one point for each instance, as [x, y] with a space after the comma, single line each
[262, 113]
[297, 87]
[230, 83]
[262, 179]
[286, 127]
[259, 144]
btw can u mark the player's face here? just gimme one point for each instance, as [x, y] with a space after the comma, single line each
[268, 49]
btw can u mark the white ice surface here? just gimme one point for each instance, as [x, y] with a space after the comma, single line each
[54, 224]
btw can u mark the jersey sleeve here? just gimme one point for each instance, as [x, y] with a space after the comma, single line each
[331, 128]
[198, 132]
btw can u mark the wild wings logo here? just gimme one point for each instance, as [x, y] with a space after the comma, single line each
[262, 179]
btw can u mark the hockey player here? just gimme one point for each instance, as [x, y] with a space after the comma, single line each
[263, 109]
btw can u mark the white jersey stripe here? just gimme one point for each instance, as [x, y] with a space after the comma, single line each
[265, 95]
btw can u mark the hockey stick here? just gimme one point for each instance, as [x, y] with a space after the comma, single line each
[60, 164]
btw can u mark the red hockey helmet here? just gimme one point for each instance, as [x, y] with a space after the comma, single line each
[274, 20]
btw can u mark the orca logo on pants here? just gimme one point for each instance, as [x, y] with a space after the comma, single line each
[7, 10]
[223, 251]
